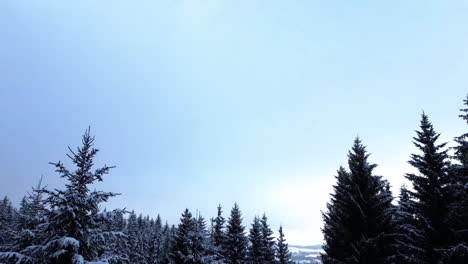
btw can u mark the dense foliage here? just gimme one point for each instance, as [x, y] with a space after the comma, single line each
[64, 226]
[429, 224]
[362, 224]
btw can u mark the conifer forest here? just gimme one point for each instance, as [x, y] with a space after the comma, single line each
[364, 223]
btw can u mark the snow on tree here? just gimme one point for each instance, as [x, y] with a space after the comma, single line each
[218, 232]
[409, 238]
[256, 249]
[7, 228]
[236, 242]
[268, 241]
[169, 234]
[190, 241]
[457, 192]
[430, 192]
[283, 256]
[357, 225]
[31, 218]
[72, 233]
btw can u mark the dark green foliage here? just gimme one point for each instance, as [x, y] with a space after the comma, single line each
[409, 238]
[190, 239]
[219, 236]
[256, 250]
[169, 234]
[236, 243]
[457, 191]
[430, 192]
[31, 219]
[283, 255]
[268, 241]
[358, 222]
[182, 251]
[7, 218]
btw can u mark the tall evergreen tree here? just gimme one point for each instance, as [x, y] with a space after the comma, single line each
[256, 249]
[169, 234]
[283, 256]
[32, 217]
[182, 252]
[72, 233]
[219, 235]
[409, 238]
[358, 222]
[457, 220]
[156, 242]
[429, 186]
[336, 236]
[189, 240]
[7, 229]
[235, 244]
[135, 240]
[268, 241]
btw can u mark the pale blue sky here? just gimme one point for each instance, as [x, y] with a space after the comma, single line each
[206, 102]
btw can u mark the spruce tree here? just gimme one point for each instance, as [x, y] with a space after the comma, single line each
[134, 239]
[7, 226]
[189, 240]
[182, 252]
[235, 244]
[219, 235]
[409, 238]
[256, 249]
[336, 236]
[457, 189]
[204, 246]
[430, 193]
[358, 222]
[113, 237]
[32, 217]
[72, 234]
[168, 234]
[156, 242]
[283, 256]
[268, 241]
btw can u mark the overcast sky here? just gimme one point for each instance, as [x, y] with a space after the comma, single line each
[206, 102]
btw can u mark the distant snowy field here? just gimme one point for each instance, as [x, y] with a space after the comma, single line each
[306, 254]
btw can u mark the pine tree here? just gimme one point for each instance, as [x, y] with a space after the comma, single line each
[135, 239]
[429, 185]
[358, 222]
[32, 216]
[219, 235]
[204, 246]
[189, 240]
[7, 227]
[114, 238]
[336, 236]
[235, 244]
[283, 255]
[457, 190]
[168, 234]
[268, 241]
[156, 242]
[72, 233]
[256, 249]
[182, 252]
[409, 238]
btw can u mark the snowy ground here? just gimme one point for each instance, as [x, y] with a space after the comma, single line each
[306, 254]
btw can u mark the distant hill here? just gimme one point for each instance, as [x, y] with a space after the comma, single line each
[306, 254]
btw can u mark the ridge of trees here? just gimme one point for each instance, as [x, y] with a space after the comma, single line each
[428, 225]
[64, 226]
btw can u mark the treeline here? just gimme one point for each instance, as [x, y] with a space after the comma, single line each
[428, 224]
[67, 226]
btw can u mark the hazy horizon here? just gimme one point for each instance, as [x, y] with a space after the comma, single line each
[200, 103]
